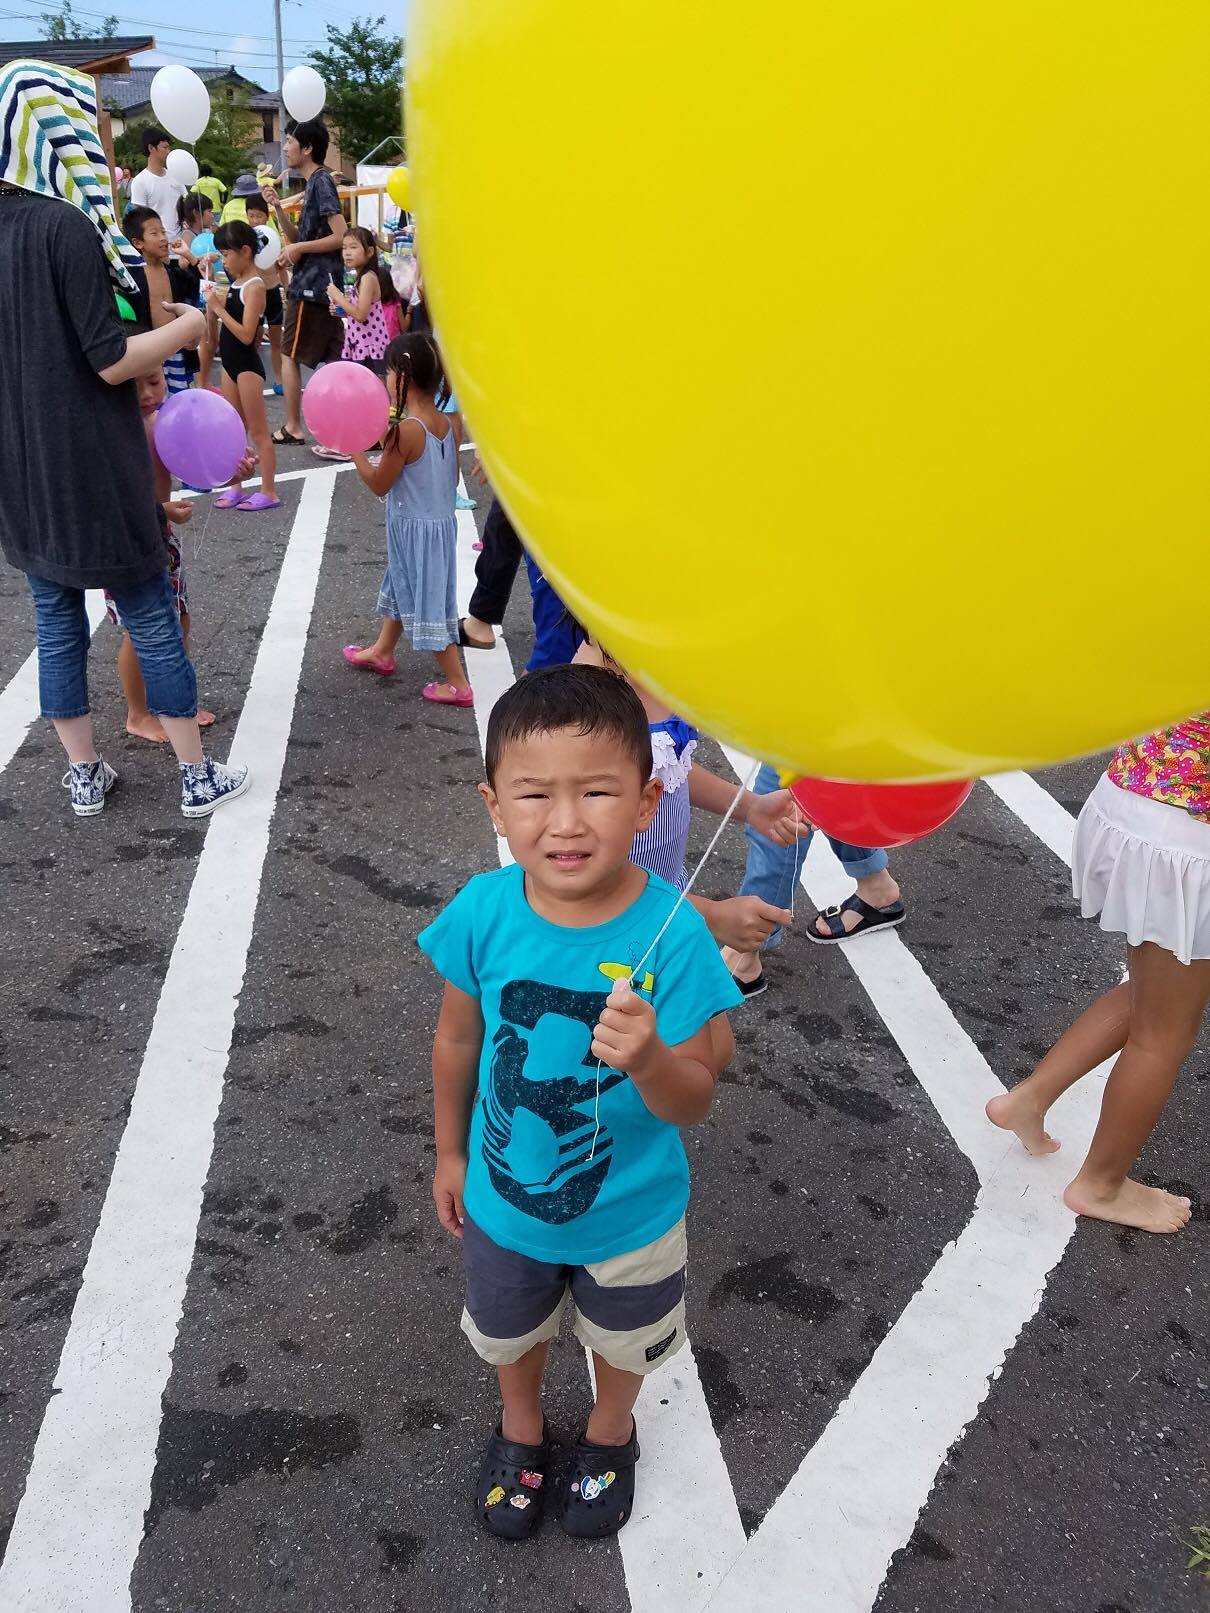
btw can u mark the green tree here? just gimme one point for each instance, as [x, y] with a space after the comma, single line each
[363, 71]
[64, 24]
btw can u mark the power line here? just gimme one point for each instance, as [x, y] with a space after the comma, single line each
[158, 28]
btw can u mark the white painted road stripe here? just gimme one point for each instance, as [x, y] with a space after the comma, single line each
[1037, 809]
[857, 1494]
[672, 1554]
[80, 1521]
[19, 703]
[282, 476]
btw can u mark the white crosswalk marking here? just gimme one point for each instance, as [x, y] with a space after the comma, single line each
[80, 1521]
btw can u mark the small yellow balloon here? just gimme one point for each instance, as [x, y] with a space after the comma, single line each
[399, 189]
[908, 487]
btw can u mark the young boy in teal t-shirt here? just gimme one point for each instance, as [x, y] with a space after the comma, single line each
[561, 1084]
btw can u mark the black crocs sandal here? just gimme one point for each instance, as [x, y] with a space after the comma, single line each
[598, 1496]
[511, 1494]
[868, 918]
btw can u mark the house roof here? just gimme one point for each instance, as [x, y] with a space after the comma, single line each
[130, 93]
[84, 54]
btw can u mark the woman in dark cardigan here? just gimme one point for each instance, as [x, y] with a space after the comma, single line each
[77, 500]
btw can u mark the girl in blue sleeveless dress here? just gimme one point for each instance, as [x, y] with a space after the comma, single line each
[418, 472]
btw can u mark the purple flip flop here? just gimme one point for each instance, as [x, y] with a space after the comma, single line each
[258, 501]
[229, 499]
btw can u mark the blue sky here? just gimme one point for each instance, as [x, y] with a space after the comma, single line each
[239, 32]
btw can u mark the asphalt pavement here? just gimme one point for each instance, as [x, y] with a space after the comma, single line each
[317, 1427]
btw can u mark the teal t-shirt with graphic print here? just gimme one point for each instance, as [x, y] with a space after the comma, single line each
[543, 1176]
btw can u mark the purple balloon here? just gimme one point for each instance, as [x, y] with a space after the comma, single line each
[200, 438]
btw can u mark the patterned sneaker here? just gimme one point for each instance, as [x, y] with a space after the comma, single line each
[89, 783]
[208, 784]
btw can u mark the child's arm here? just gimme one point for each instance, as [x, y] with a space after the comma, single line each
[771, 815]
[253, 300]
[742, 922]
[362, 306]
[676, 1083]
[407, 447]
[457, 1046]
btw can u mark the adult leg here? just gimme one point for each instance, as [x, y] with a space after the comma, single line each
[291, 370]
[495, 573]
[1167, 1003]
[63, 638]
[1097, 1035]
[868, 866]
[149, 612]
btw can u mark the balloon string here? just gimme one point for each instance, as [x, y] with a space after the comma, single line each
[663, 929]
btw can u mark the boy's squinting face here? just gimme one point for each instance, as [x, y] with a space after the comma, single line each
[570, 805]
[258, 214]
[154, 244]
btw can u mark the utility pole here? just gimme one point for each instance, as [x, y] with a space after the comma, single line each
[281, 104]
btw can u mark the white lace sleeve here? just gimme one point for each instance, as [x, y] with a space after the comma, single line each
[671, 770]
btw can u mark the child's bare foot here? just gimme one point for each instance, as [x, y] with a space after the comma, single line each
[1150, 1209]
[147, 727]
[204, 718]
[1013, 1112]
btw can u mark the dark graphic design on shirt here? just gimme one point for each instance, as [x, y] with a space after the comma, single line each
[562, 1103]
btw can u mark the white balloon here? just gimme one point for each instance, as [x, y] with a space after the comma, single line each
[269, 247]
[180, 102]
[304, 93]
[182, 166]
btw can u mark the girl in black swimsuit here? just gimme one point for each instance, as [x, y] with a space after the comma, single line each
[240, 310]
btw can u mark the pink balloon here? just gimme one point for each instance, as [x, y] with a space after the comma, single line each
[200, 438]
[346, 407]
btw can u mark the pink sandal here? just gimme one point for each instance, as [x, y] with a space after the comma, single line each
[384, 665]
[450, 697]
[229, 499]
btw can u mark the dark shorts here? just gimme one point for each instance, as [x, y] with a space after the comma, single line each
[311, 334]
[630, 1308]
[273, 306]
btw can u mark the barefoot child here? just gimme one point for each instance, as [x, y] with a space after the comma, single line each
[418, 472]
[140, 722]
[257, 209]
[560, 1087]
[240, 309]
[1142, 862]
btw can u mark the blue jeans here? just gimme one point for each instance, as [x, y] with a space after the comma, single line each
[149, 614]
[555, 639]
[772, 871]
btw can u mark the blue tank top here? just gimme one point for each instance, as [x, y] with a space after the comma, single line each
[427, 488]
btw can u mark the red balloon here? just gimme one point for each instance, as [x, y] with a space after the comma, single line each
[879, 814]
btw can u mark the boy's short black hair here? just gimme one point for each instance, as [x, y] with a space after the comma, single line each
[153, 136]
[236, 232]
[135, 220]
[312, 136]
[256, 204]
[586, 698]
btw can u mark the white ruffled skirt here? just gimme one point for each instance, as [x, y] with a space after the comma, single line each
[1143, 869]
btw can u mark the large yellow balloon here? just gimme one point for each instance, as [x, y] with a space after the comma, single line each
[399, 188]
[914, 482]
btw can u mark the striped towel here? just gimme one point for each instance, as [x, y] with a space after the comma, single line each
[49, 145]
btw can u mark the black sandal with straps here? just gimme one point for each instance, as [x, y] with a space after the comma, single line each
[511, 1494]
[868, 918]
[598, 1495]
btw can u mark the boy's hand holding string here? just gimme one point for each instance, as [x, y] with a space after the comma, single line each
[676, 1083]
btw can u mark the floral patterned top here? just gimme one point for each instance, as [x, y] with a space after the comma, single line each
[369, 340]
[1172, 766]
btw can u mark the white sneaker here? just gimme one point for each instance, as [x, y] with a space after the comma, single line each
[89, 783]
[208, 784]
